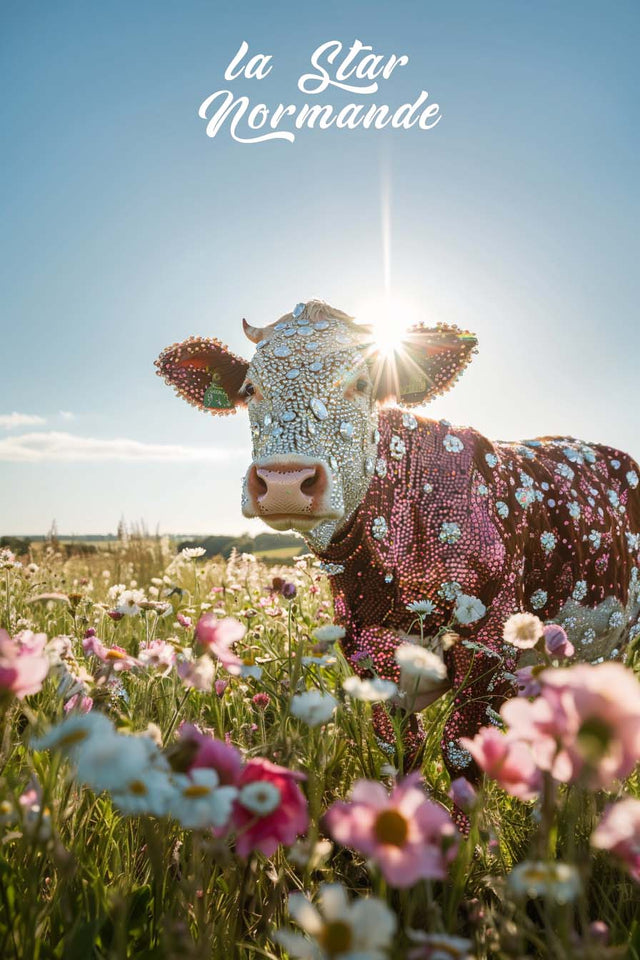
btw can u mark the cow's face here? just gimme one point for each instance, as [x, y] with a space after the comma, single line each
[312, 390]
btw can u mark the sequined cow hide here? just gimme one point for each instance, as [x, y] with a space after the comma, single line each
[403, 509]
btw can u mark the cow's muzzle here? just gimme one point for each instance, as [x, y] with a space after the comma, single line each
[291, 492]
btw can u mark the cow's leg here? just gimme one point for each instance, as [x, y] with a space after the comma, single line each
[371, 653]
[412, 732]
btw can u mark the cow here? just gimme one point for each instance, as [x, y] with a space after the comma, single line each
[404, 510]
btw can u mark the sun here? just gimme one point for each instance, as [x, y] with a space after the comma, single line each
[390, 318]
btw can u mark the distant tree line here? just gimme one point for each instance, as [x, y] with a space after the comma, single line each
[215, 545]
[221, 546]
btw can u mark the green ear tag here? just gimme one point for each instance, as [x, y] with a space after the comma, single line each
[215, 396]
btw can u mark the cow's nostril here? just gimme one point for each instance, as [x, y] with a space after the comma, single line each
[260, 484]
[308, 484]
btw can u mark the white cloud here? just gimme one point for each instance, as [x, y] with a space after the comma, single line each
[11, 420]
[51, 446]
[67, 415]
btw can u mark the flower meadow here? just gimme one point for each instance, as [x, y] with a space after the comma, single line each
[188, 769]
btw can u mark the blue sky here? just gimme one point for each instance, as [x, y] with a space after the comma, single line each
[125, 228]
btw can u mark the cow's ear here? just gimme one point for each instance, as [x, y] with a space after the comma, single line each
[426, 363]
[204, 373]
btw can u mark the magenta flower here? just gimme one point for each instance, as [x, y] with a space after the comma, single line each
[463, 794]
[270, 808]
[619, 832]
[218, 636]
[556, 641]
[406, 834]
[23, 663]
[284, 587]
[527, 681]
[212, 754]
[183, 620]
[506, 760]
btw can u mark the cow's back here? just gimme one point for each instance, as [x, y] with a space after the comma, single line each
[571, 520]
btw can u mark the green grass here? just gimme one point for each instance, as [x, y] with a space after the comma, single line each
[279, 553]
[106, 886]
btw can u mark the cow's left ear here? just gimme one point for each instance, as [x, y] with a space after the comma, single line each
[204, 373]
[426, 363]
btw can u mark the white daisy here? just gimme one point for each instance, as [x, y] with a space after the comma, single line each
[523, 630]
[415, 661]
[340, 930]
[469, 609]
[75, 730]
[192, 553]
[369, 690]
[313, 707]
[111, 762]
[553, 880]
[422, 607]
[145, 791]
[260, 797]
[441, 946]
[198, 802]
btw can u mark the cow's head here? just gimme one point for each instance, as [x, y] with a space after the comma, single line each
[312, 390]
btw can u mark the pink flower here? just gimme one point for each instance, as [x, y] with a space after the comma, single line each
[527, 679]
[23, 663]
[619, 832]
[270, 808]
[116, 657]
[506, 760]
[597, 722]
[158, 655]
[406, 834]
[212, 754]
[79, 702]
[585, 725]
[539, 725]
[197, 674]
[261, 700]
[183, 621]
[556, 641]
[220, 686]
[218, 636]
[463, 794]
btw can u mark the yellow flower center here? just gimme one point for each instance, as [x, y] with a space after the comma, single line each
[116, 655]
[74, 736]
[138, 788]
[196, 790]
[391, 827]
[336, 937]
[594, 737]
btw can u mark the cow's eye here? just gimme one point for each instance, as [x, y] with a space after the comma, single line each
[356, 388]
[247, 390]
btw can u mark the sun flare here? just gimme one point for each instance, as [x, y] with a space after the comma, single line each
[390, 318]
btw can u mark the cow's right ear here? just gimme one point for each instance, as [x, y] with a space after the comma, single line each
[205, 373]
